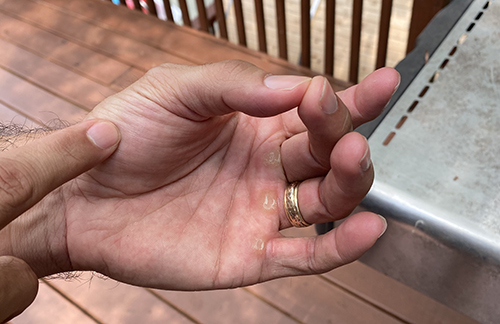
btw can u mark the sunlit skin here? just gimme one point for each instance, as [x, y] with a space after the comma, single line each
[193, 196]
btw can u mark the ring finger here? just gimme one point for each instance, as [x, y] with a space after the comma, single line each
[336, 195]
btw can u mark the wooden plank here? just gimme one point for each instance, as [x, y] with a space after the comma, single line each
[393, 296]
[226, 307]
[50, 76]
[83, 60]
[125, 49]
[49, 308]
[113, 302]
[10, 116]
[90, 63]
[126, 79]
[314, 300]
[386, 293]
[174, 39]
[34, 102]
[113, 18]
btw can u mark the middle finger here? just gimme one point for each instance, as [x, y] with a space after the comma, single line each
[327, 119]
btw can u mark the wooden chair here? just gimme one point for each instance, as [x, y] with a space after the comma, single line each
[422, 13]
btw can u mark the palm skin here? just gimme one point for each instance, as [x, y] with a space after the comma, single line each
[193, 197]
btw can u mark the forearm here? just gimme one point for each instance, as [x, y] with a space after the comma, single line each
[17, 135]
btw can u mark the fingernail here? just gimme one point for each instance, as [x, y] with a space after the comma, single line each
[385, 225]
[393, 92]
[284, 82]
[328, 99]
[397, 85]
[366, 161]
[103, 134]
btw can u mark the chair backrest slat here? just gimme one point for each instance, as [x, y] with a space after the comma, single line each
[185, 13]
[422, 13]
[261, 26]
[168, 10]
[281, 28]
[357, 15]
[240, 22]
[383, 34]
[305, 33]
[330, 37]
[221, 18]
[202, 15]
[137, 5]
[152, 7]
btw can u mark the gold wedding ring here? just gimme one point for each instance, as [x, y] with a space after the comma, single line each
[292, 210]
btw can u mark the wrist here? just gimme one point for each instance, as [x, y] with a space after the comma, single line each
[38, 236]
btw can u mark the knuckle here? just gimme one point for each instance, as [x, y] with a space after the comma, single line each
[314, 265]
[231, 69]
[15, 186]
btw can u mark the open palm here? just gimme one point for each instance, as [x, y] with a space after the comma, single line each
[193, 197]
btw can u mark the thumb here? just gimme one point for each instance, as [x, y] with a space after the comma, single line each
[224, 87]
[32, 171]
[18, 287]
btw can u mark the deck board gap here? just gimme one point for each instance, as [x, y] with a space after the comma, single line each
[120, 32]
[365, 300]
[20, 114]
[60, 62]
[55, 94]
[83, 310]
[178, 309]
[94, 23]
[72, 39]
[271, 304]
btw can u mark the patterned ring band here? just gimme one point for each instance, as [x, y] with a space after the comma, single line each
[292, 210]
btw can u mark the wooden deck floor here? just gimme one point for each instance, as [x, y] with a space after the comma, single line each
[58, 58]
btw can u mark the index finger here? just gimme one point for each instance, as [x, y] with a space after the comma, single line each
[32, 171]
[367, 99]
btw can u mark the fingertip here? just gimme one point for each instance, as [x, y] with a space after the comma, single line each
[358, 233]
[384, 225]
[368, 99]
[351, 156]
[377, 89]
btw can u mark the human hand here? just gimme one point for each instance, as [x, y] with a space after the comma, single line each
[193, 197]
[29, 173]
